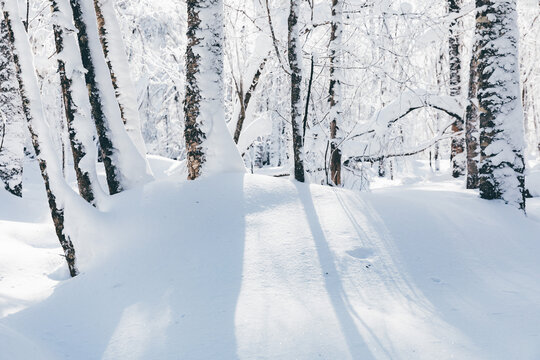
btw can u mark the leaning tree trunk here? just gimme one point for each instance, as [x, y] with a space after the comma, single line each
[458, 140]
[112, 44]
[295, 64]
[76, 104]
[210, 148]
[244, 99]
[11, 119]
[51, 170]
[335, 91]
[501, 113]
[125, 167]
[471, 123]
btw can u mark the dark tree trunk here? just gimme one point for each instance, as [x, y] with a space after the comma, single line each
[76, 116]
[125, 165]
[115, 56]
[295, 64]
[245, 98]
[471, 124]
[102, 127]
[335, 91]
[458, 141]
[193, 134]
[209, 145]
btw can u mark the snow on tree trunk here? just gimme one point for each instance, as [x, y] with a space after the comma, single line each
[335, 90]
[471, 124]
[76, 104]
[458, 141]
[295, 64]
[209, 145]
[244, 100]
[11, 119]
[49, 164]
[110, 36]
[125, 167]
[501, 113]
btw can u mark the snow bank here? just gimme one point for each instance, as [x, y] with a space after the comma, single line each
[245, 266]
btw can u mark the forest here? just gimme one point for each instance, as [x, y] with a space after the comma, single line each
[262, 179]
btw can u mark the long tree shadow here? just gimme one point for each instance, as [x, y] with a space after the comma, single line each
[334, 287]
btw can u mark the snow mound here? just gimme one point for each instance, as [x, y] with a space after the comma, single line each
[253, 267]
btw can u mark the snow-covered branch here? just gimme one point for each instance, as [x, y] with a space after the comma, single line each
[406, 103]
[443, 135]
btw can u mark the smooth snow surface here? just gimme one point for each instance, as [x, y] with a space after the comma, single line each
[253, 267]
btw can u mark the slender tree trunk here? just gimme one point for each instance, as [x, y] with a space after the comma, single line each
[471, 124]
[125, 167]
[295, 64]
[76, 104]
[245, 99]
[501, 114]
[11, 119]
[439, 65]
[536, 120]
[210, 148]
[51, 170]
[436, 150]
[458, 141]
[335, 91]
[112, 44]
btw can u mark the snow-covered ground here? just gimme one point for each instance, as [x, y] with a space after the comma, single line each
[256, 267]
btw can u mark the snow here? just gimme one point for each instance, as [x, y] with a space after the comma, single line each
[532, 179]
[242, 266]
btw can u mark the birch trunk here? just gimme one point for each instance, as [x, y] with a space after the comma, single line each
[76, 104]
[335, 91]
[458, 141]
[295, 64]
[501, 114]
[112, 44]
[11, 119]
[471, 124]
[210, 148]
[125, 167]
[49, 164]
[244, 100]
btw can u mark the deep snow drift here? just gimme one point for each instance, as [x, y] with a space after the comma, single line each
[255, 267]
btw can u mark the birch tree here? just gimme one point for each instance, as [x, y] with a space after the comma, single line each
[49, 164]
[209, 146]
[454, 40]
[501, 115]
[11, 119]
[125, 167]
[76, 103]
[335, 92]
[110, 37]
[295, 65]
[471, 122]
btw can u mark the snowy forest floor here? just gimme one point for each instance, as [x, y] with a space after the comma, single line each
[256, 267]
